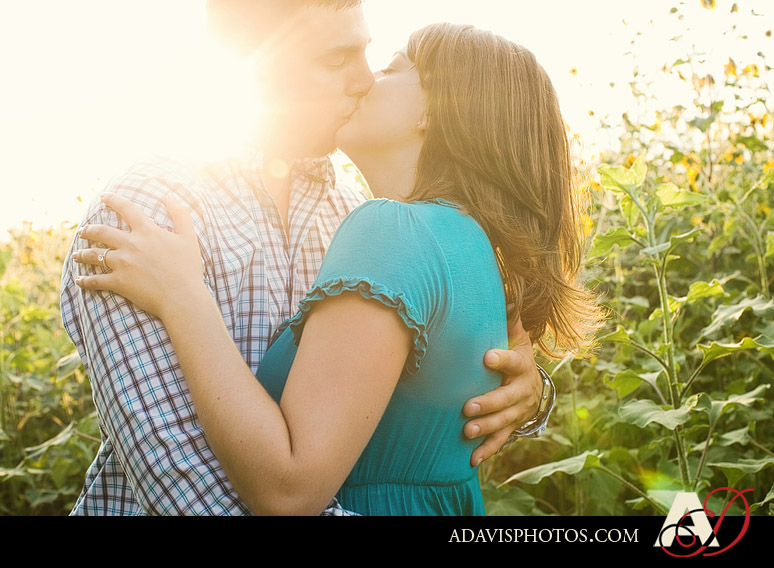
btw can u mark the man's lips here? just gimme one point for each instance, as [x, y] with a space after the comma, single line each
[347, 117]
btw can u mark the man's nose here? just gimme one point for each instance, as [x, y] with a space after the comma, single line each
[362, 80]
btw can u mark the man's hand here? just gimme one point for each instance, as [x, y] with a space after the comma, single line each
[498, 413]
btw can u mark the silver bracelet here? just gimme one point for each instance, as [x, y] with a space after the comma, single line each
[536, 425]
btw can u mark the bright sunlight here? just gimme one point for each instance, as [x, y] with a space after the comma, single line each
[95, 84]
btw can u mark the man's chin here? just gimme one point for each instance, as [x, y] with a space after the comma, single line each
[320, 151]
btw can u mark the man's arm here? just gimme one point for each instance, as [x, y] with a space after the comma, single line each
[520, 407]
[143, 402]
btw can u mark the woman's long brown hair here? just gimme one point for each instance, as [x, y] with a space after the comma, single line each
[496, 144]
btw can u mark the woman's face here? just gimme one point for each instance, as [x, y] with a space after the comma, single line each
[392, 115]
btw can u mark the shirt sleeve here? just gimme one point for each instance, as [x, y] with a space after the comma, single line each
[144, 406]
[385, 251]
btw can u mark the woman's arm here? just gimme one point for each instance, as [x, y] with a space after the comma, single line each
[286, 459]
[292, 458]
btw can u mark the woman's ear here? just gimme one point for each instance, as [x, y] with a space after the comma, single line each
[423, 122]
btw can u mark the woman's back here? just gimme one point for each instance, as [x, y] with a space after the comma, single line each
[435, 266]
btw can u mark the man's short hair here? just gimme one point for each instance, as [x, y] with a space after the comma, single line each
[247, 24]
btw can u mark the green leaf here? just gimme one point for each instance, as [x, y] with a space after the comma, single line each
[674, 240]
[740, 436]
[507, 501]
[700, 290]
[687, 237]
[5, 258]
[728, 314]
[618, 336]
[766, 181]
[644, 412]
[654, 250]
[671, 196]
[8, 473]
[716, 408]
[677, 156]
[604, 243]
[629, 210]
[752, 143]
[628, 381]
[664, 497]
[570, 466]
[736, 471]
[625, 383]
[617, 178]
[61, 438]
[702, 123]
[769, 244]
[767, 499]
[640, 169]
[717, 350]
[67, 365]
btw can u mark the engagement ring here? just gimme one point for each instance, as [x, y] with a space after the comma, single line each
[101, 258]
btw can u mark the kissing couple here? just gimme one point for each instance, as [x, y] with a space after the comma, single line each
[263, 339]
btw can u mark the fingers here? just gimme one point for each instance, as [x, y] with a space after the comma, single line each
[490, 446]
[98, 282]
[181, 217]
[512, 391]
[486, 403]
[510, 362]
[105, 258]
[110, 236]
[485, 424]
[130, 213]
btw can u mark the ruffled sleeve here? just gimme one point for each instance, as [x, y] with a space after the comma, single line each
[385, 251]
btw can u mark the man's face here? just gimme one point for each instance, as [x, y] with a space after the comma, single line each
[392, 118]
[319, 78]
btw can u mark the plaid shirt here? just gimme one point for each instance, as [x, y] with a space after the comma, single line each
[154, 458]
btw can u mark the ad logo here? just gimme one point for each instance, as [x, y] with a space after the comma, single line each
[688, 531]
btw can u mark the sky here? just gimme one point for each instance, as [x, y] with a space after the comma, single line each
[91, 85]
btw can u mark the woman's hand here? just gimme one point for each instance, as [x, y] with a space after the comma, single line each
[155, 269]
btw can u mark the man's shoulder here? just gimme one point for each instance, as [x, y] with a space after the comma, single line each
[154, 177]
[147, 181]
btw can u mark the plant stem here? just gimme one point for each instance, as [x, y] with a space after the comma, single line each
[575, 436]
[694, 375]
[89, 438]
[760, 447]
[651, 353]
[760, 251]
[703, 456]
[671, 368]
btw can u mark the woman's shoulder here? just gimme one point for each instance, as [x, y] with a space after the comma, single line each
[409, 238]
[413, 215]
[413, 229]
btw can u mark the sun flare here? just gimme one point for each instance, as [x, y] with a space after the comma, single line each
[96, 84]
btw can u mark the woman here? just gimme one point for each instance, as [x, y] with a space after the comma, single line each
[463, 137]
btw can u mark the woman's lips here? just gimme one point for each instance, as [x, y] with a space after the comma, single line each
[347, 118]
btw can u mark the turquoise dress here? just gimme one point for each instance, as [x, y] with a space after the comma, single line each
[435, 266]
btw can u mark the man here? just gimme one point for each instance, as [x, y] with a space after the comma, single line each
[264, 223]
